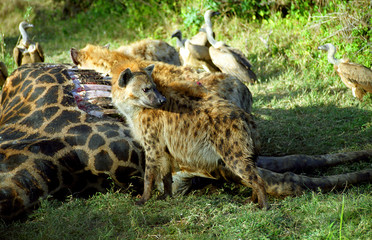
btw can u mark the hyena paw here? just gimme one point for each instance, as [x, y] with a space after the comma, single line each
[163, 196]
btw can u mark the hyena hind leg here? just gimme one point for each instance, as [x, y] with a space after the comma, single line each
[167, 182]
[152, 173]
[250, 178]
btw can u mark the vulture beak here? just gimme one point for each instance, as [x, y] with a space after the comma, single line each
[323, 47]
[215, 13]
[29, 26]
[175, 33]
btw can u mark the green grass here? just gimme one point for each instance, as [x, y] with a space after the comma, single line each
[203, 216]
[300, 105]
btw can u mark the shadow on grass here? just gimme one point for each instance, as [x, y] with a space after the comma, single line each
[267, 67]
[317, 129]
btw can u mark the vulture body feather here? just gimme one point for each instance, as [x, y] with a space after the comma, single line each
[228, 59]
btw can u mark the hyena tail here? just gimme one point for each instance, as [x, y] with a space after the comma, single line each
[306, 163]
[290, 184]
[276, 184]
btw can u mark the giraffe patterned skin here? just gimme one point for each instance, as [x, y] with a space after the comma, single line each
[47, 142]
[50, 147]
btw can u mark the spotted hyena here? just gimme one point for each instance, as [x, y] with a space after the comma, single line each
[152, 50]
[185, 129]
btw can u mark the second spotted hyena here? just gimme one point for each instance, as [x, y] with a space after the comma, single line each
[225, 86]
[186, 130]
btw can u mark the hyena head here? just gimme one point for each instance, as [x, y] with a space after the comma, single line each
[96, 57]
[87, 58]
[136, 89]
[78, 56]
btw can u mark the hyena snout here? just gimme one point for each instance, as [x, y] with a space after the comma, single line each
[157, 99]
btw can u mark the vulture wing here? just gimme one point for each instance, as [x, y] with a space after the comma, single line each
[356, 74]
[240, 57]
[39, 51]
[17, 55]
[198, 51]
[200, 39]
[233, 63]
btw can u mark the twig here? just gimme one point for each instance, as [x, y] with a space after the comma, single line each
[335, 33]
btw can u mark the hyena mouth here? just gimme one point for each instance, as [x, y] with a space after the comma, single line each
[154, 101]
[152, 105]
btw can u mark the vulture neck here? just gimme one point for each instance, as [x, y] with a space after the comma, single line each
[179, 41]
[25, 39]
[331, 55]
[208, 28]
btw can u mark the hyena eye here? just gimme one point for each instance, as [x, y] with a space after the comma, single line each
[146, 89]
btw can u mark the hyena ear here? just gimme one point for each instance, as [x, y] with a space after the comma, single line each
[124, 77]
[74, 53]
[149, 69]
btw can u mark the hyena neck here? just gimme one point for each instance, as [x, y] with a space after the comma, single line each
[130, 112]
[135, 125]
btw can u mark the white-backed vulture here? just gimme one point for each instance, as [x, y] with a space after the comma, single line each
[152, 50]
[194, 55]
[27, 51]
[227, 59]
[355, 76]
[3, 73]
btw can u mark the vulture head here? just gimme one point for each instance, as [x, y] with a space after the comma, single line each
[178, 35]
[331, 50]
[25, 25]
[22, 28]
[209, 14]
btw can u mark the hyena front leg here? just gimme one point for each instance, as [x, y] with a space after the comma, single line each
[149, 179]
[156, 167]
[165, 169]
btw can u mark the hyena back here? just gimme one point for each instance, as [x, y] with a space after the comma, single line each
[191, 131]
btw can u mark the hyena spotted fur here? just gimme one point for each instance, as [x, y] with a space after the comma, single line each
[185, 130]
[225, 86]
[152, 50]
